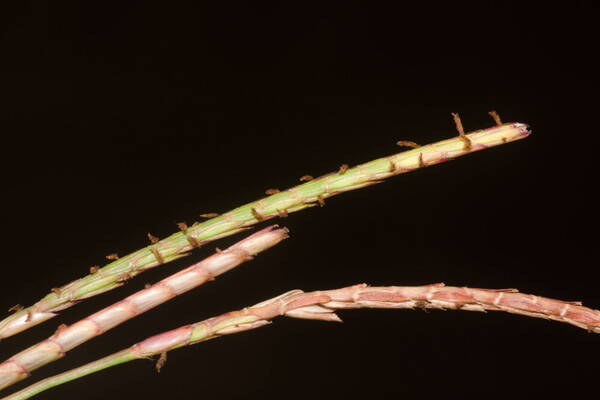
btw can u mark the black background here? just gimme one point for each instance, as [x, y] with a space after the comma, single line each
[122, 118]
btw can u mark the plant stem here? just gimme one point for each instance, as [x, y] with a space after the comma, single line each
[66, 338]
[321, 305]
[279, 204]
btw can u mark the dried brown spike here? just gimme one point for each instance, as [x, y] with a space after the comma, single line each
[496, 117]
[306, 178]
[257, 215]
[195, 223]
[321, 200]
[147, 285]
[458, 123]
[421, 162]
[161, 361]
[218, 250]
[112, 256]
[94, 269]
[56, 291]
[282, 213]
[408, 143]
[15, 308]
[182, 226]
[209, 215]
[29, 316]
[343, 168]
[153, 239]
[271, 191]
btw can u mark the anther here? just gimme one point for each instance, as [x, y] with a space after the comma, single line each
[496, 117]
[124, 277]
[408, 143]
[191, 240]
[321, 200]
[343, 168]
[271, 191]
[157, 255]
[94, 269]
[153, 239]
[113, 256]
[161, 361]
[421, 304]
[466, 141]
[60, 328]
[306, 178]
[257, 215]
[458, 123]
[282, 213]
[461, 131]
[15, 308]
[392, 167]
[209, 215]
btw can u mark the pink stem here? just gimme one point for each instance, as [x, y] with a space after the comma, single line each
[67, 337]
[321, 305]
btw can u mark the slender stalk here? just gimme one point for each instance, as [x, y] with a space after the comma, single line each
[66, 338]
[277, 204]
[321, 305]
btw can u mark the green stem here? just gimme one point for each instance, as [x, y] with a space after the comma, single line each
[98, 365]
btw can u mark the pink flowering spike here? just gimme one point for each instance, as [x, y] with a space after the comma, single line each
[66, 338]
[314, 305]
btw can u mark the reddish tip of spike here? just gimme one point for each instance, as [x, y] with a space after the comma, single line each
[271, 191]
[182, 226]
[94, 269]
[112, 256]
[306, 178]
[343, 168]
